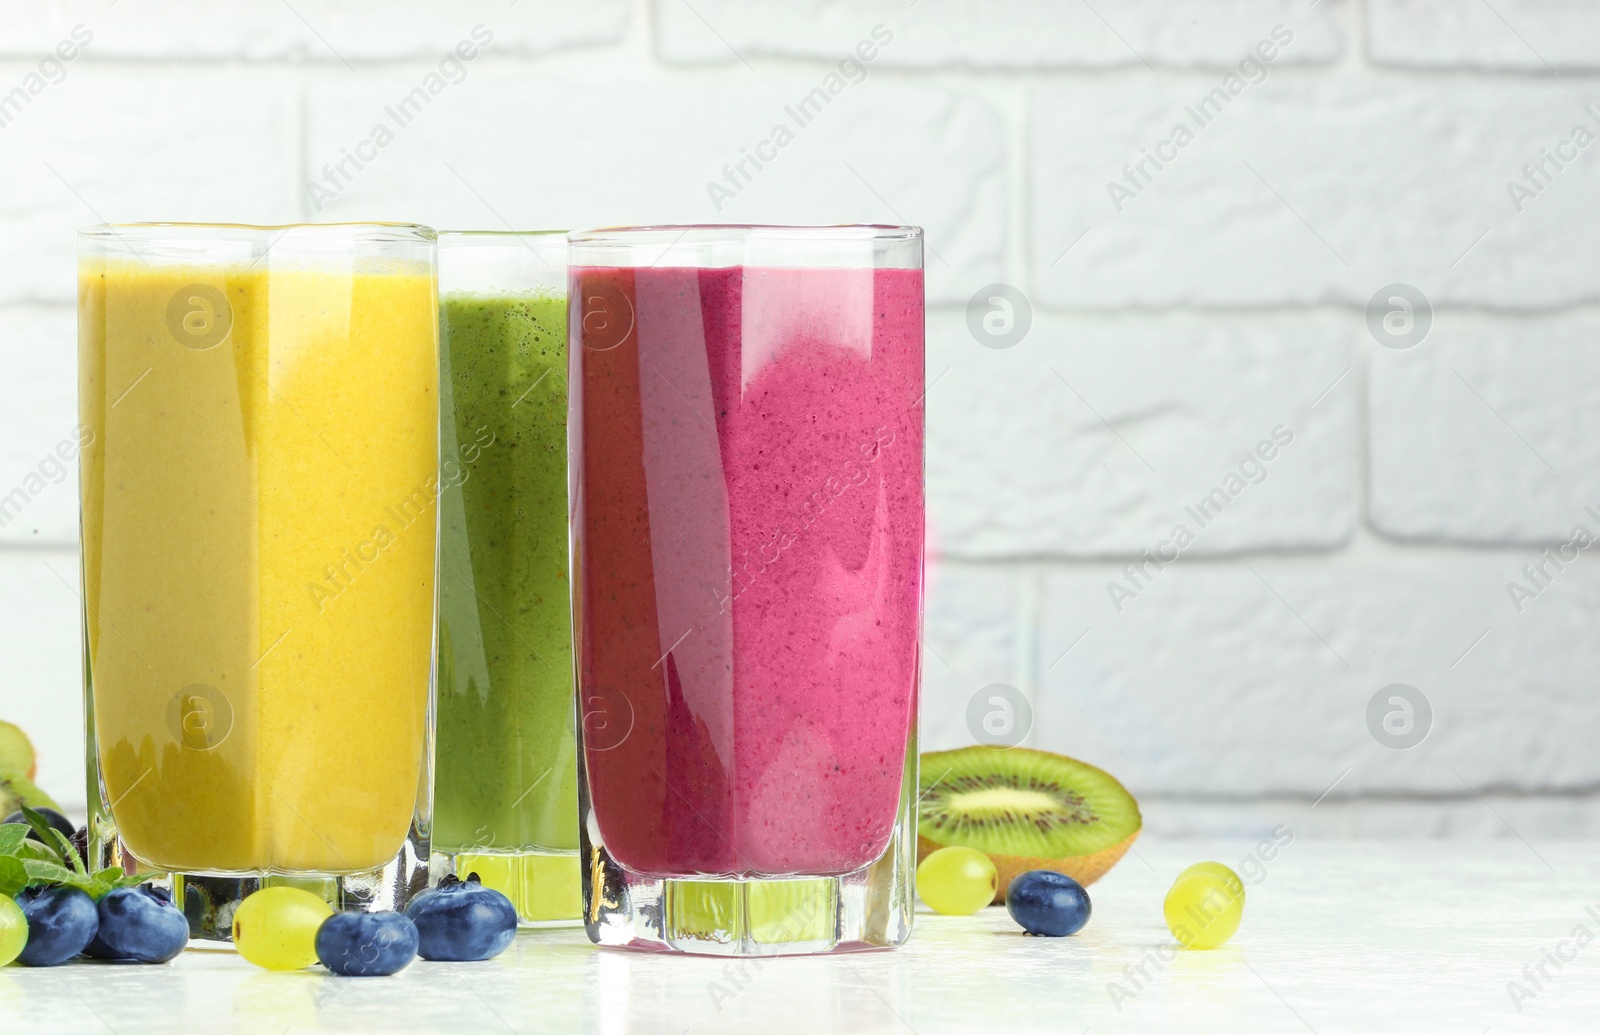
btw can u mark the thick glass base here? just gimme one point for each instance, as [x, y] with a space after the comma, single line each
[546, 887]
[210, 899]
[870, 908]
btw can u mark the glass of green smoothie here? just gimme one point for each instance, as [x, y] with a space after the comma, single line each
[505, 785]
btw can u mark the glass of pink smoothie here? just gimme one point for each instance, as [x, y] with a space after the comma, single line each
[746, 430]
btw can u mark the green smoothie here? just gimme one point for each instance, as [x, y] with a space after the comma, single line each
[505, 798]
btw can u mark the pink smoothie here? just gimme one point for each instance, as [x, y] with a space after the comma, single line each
[748, 520]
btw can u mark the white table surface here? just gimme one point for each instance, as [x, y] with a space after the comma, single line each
[1338, 937]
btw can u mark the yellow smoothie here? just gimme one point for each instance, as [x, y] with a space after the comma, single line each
[258, 547]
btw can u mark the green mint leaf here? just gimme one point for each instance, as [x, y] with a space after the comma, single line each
[56, 875]
[13, 877]
[11, 837]
[31, 849]
[42, 827]
[41, 872]
[69, 851]
[112, 878]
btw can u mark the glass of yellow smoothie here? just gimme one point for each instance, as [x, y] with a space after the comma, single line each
[260, 540]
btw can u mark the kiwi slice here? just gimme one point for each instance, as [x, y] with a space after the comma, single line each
[17, 790]
[1025, 810]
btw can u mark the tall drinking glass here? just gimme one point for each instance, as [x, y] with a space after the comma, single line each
[506, 798]
[259, 543]
[746, 421]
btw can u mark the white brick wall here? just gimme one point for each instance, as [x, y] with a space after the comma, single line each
[1091, 436]
[1530, 35]
[1005, 34]
[325, 31]
[1491, 433]
[39, 400]
[1172, 330]
[43, 688]
[1311, 187]
[170, 142]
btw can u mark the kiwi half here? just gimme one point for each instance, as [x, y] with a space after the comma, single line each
[16, 751]
[1025, 810]
[17, 790]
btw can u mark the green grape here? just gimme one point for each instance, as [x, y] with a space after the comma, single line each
[957, 881]
[276, 928]
[1235, 885]
[1201, 911]
[13, 930]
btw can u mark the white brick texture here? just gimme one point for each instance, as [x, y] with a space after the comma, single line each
[1096, 436]
[1307, 189]
[1230, 678]
[1488, 431]
[41, 640]
[974, 634]
[127, 146]
[337, 31]
[1518, 35]
[38, 421]
[1001, 34]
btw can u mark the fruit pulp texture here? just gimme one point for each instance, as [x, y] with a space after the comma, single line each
[748, 521]
[506, 775]
[259, 549]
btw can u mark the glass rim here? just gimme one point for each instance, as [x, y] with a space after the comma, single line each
[491, 235]
[199, 231]
[699, 233]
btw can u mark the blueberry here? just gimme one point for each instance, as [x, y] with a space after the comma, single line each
[1049, 903]
[61, 921]
[141, 924]
[462, 921]
[366, 944]
[52, 817]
